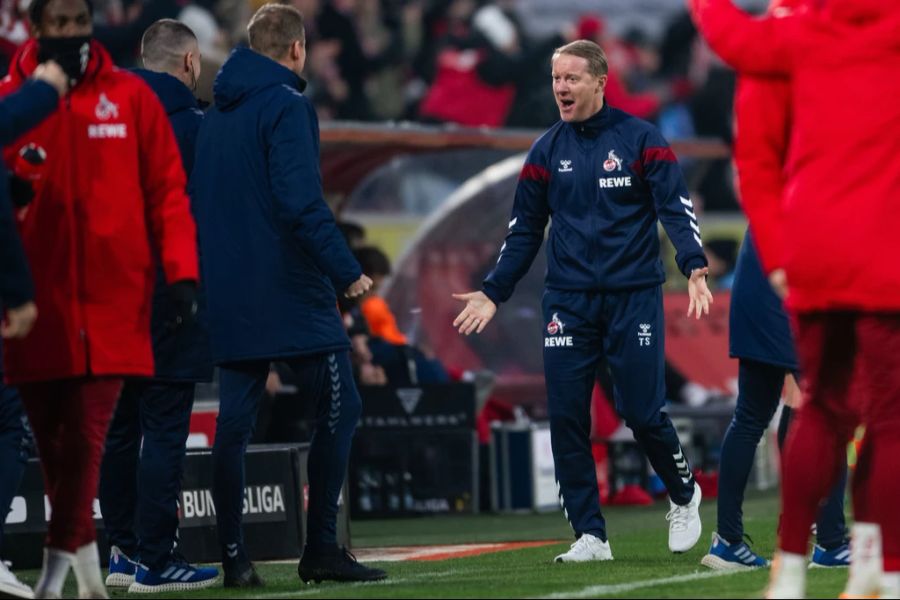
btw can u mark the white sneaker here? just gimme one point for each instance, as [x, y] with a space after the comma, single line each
[684, 523]
[788, 578]
[890, 585]
[586, 548]
[866, 562]
[11, 586]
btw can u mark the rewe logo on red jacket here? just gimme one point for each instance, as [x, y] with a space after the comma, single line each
[105, 110]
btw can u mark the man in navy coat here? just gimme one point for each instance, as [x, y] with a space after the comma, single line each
[19, 112]
[274, 261]
[144, 455]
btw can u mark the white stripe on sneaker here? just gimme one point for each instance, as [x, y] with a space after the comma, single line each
[188, 575]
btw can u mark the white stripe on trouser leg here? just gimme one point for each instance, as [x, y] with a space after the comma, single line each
[562, 505]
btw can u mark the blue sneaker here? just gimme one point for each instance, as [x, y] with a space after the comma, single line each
[731, 557]
[836, 557]
[121, 569]
[175, 576]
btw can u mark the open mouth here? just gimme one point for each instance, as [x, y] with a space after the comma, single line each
[566, 102]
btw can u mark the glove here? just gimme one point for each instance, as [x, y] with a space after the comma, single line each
[20, 191]
[184, 302]
[28, 168]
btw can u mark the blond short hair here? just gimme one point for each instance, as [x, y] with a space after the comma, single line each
[588, 50]
[273, 29]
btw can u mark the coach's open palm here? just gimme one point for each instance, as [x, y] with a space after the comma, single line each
[700, 295]
[476, 315]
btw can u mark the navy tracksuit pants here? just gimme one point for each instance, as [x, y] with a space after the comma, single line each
[327, 380]
[759, 393]
[140, 482]
[627, 329]
[16, 443]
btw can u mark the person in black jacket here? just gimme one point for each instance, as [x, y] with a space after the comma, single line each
[19, 112]
[273, 260]
[144, 455]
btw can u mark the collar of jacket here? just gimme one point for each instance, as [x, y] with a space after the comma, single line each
[25, 61]
[593, 125]
[174, 95]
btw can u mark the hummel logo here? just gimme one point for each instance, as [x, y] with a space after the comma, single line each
[565, 166]
[644, 334]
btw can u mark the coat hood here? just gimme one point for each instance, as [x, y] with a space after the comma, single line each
[246, 73]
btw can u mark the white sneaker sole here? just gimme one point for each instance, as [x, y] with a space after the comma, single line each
[814, 565]
[140, 588]
[715, 563]
[119, 580]
[560, 559]
[15, 591]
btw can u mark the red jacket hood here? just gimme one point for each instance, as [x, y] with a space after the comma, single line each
[25, 61]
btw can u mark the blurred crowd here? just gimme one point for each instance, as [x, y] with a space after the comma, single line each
[469, 62]
[463, 61]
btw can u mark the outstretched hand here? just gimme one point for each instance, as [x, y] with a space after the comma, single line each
[700, 295]
[476, 315]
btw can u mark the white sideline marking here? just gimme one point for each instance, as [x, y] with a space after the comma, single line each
[620, 588]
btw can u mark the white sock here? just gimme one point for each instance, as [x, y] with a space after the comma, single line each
[792, 561]
[87, 571]
[53, 574]
[866, 562]
[890, 585]
[788, 578]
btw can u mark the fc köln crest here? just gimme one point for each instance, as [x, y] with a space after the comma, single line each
[612, 162]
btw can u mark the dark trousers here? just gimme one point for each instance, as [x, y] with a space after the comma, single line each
[15, 442]
[326, 380]
[626, 328]
[140, 483]
[759, 393]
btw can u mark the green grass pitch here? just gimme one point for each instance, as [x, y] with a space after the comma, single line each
[643, 566]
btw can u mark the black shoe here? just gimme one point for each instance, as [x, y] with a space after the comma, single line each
[335, 564]
[239, 571]
[242, 576]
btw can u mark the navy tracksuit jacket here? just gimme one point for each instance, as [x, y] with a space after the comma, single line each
[604, 183]
[758, 326]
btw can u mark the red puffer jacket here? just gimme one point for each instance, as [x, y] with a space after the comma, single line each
[841, 200]
[111, 181]
[762, 115]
